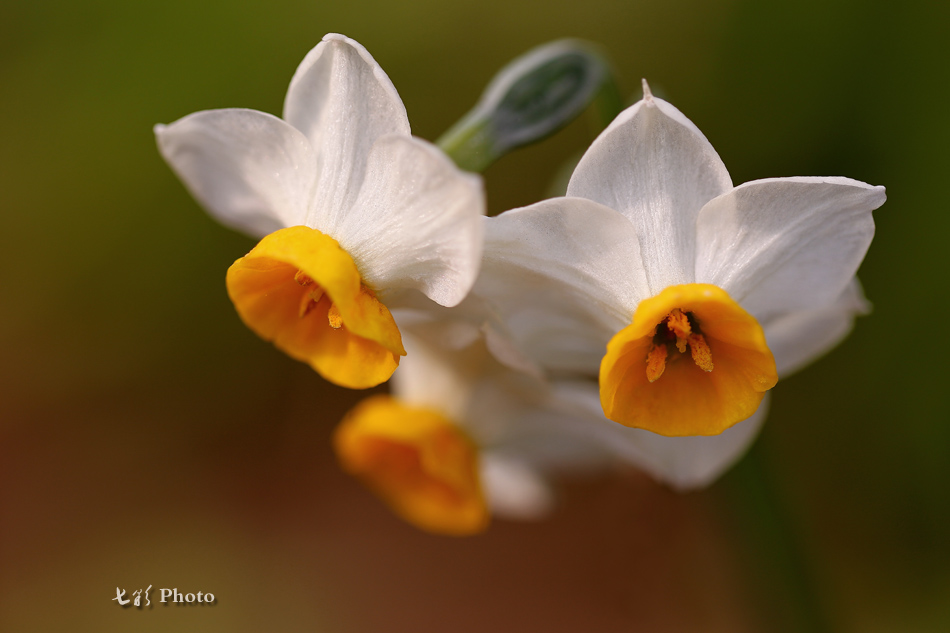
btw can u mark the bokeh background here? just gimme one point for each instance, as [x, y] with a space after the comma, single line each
[147, 437]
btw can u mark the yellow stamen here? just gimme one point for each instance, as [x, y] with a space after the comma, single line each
[700, 351]
[656, 362]
[423, 466]
[334, 317]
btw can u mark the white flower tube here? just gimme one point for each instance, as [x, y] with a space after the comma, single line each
[351, 207]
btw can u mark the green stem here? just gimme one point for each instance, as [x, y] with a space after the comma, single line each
[777, 547]
[468, 143]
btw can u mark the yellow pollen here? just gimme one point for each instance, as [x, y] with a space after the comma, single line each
[700, 351]
[334, 317]
[656, 362]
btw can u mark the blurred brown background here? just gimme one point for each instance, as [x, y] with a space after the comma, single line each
[147, 437]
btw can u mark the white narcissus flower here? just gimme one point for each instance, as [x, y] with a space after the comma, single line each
[351, 208]
[686, 295]
[463, 437]
[686, 463]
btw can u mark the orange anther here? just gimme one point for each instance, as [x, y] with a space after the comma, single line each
[700, 351]
[334, 317]
[656, 362]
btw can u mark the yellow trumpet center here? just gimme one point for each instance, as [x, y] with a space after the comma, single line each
[420, 464]
[648, 381]
[299, 289]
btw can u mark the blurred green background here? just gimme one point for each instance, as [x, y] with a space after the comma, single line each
[147, 437]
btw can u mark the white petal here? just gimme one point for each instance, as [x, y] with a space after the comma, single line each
[470, 390]
[687, 463]
[654, 166]
[250, 170]
[502, 346]
[455, 328]
[798, 338]
[510, 413]
[343, 102]
[786, 244]
[417, 222]
[565, 274]
[523, 434]
[513, 489]
[540, 429]
[683, 463]
[433, 376]
[440, 326]
[464, 383]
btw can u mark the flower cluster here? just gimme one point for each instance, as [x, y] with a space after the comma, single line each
[640, 319]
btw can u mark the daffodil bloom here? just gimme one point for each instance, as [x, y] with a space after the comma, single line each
[351, 208]
[464, 438]
[683, 293]
[418, 461]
